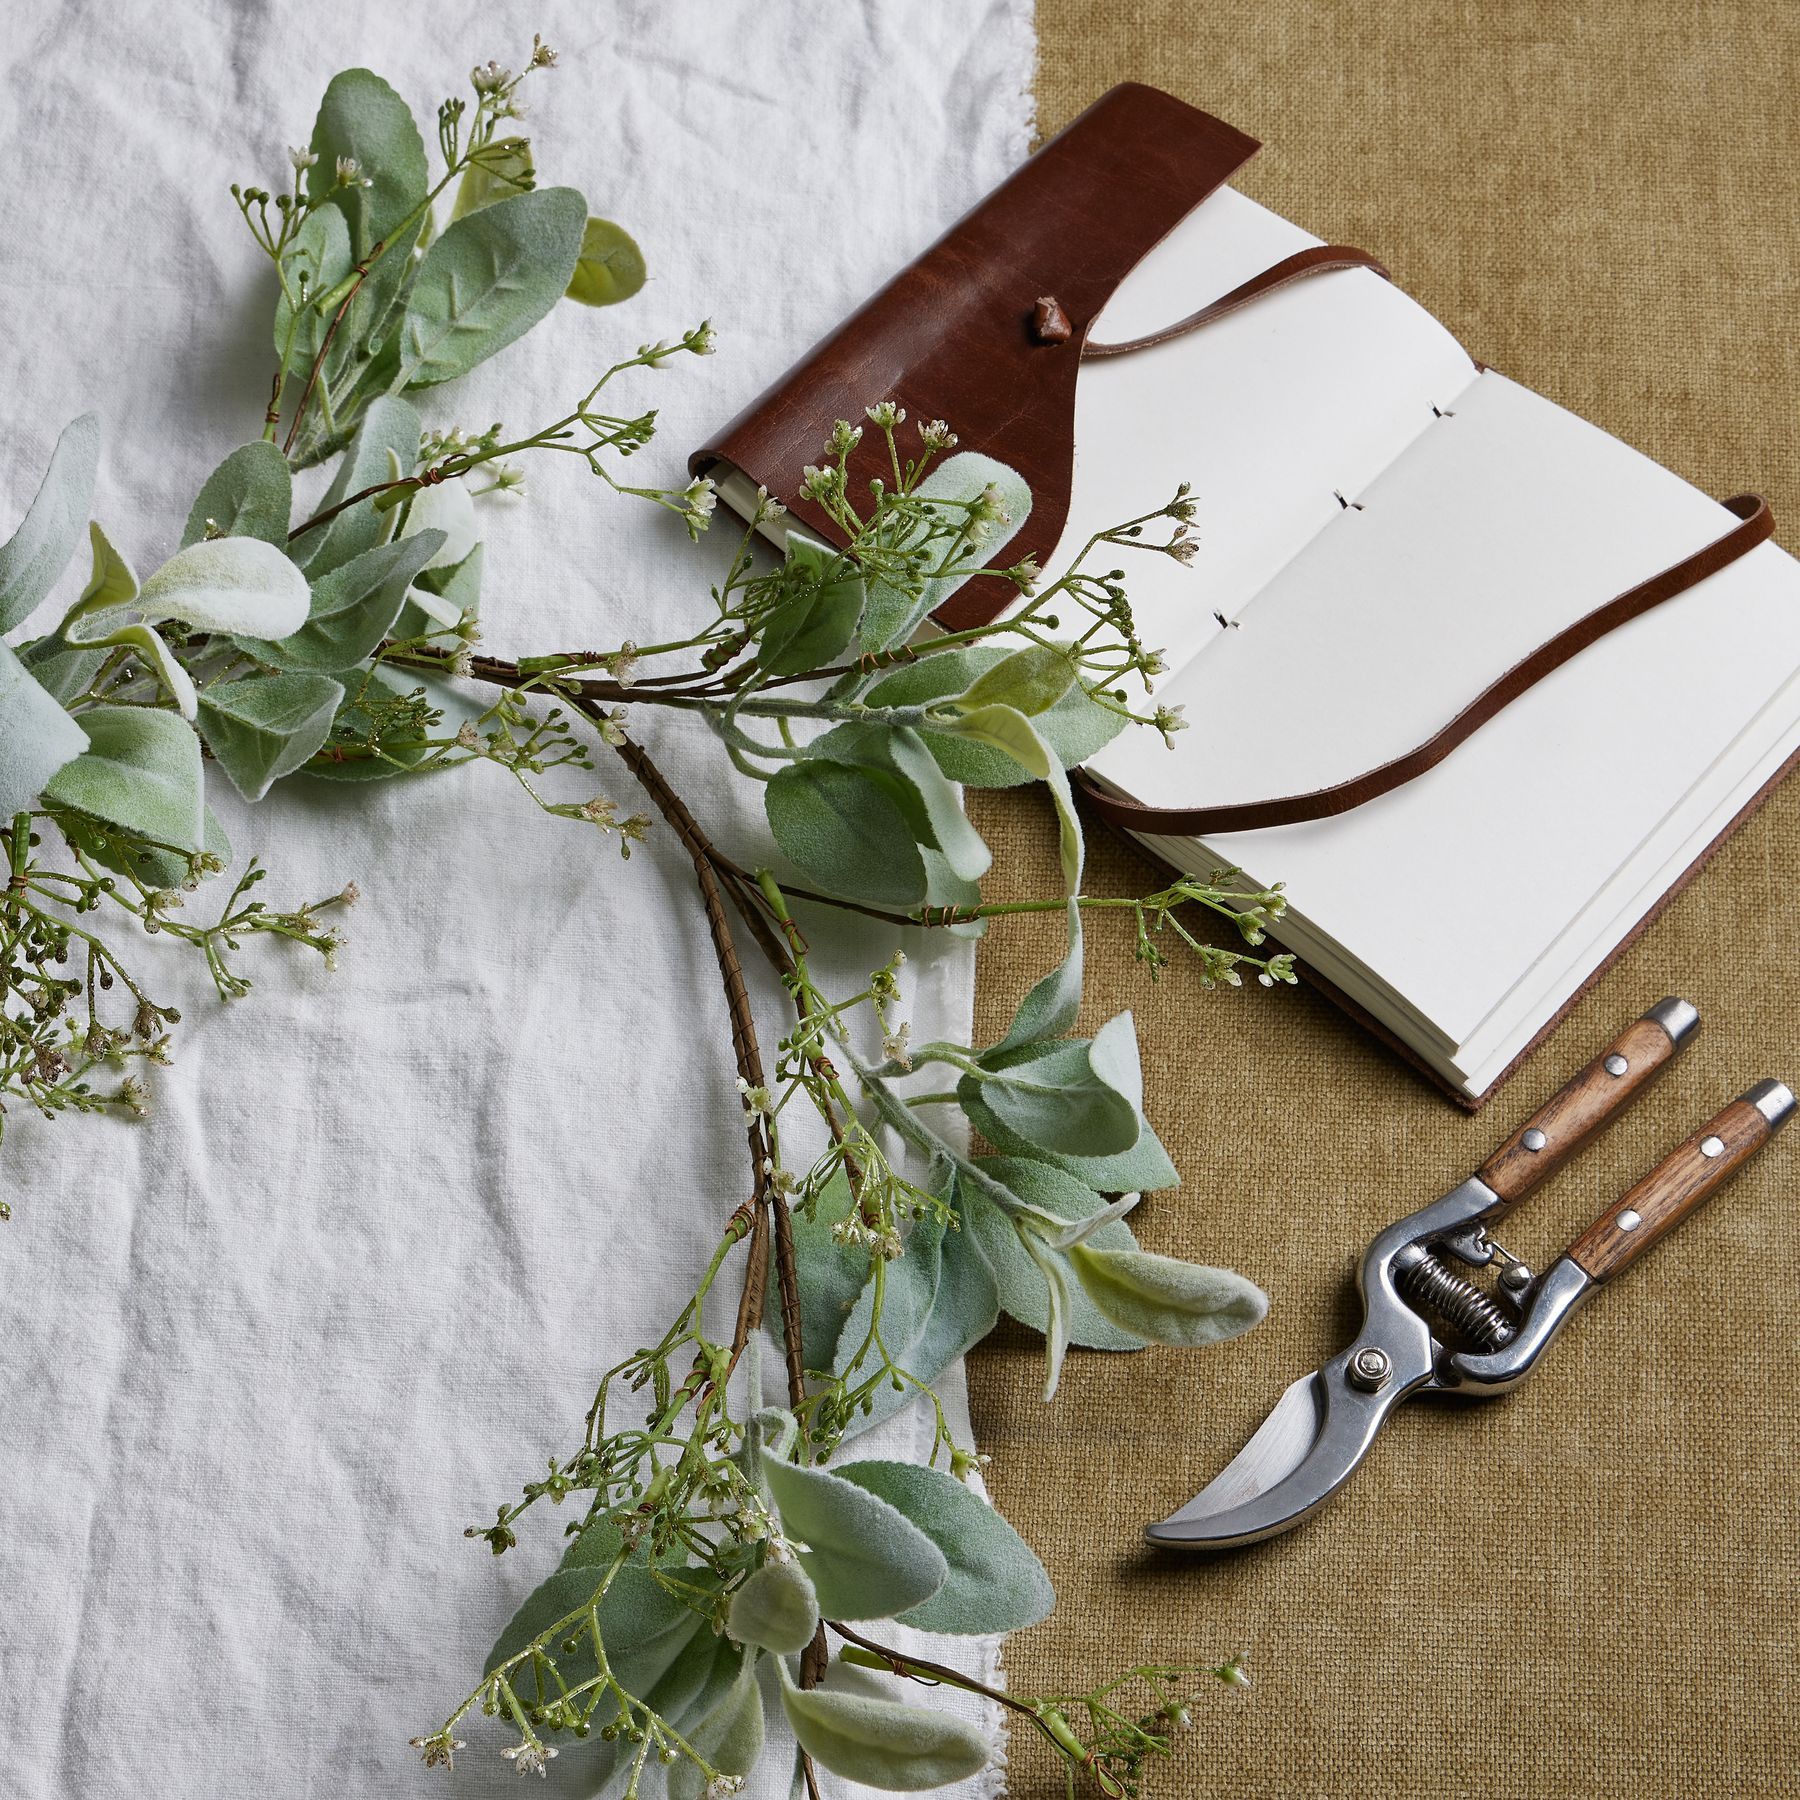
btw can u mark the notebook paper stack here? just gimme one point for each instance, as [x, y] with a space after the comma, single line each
[1386, 527]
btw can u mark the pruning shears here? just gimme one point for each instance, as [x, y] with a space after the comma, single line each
[1428, 1328]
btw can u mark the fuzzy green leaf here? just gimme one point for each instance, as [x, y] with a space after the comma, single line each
[1054, 1097]
[818, 619]
[1143, 1168]
[385, 448]
[883, 1743]
[610, 267]
[832, 1275]
[237, 585]
[845, 828]
[866, 1562]
[933, 808]
[996, 1581]
[729, 1736]
[1075, 727]
[1030, 681]
[644, 1625]
[490, 278]
[36, 736]
[38, 552]
[1165, 1300]
[939, 1301]
[361, 117]
[141, 770]
[264, 728]
[1017, 1279]
[442, 596]
[776, 1609]
[894, 614]
[320, 257]
[352, 608]
[503, 169]
[250, 494]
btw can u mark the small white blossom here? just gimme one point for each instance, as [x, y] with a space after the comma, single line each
[530, 1757]
[756, 1100]
[886, 414]
[489, 77]
[1169, 720]
[893, 1046]
[767, 507]
[542, 56]
[1026, 575]
[722, 1787]
[622, 664]
[703, 340]
[301, 159]
[351, 894]
[349, 173]
[820, 484]
[937, 436]
[439, 1750]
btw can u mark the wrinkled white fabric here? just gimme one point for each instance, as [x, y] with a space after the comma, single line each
[263, 1356]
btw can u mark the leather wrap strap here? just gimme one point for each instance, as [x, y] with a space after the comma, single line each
[1316, 261]
[1755, 525]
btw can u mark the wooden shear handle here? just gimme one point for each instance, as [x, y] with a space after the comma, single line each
[1577, 1112]
[1684, 1178]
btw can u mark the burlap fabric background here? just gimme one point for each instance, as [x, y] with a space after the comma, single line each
[1588, 1588]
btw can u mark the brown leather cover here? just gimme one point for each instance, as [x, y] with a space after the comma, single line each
[951, 335]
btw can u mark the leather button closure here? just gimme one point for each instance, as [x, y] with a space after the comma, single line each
[1049, 323]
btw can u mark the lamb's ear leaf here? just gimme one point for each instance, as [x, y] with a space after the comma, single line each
[250, 494]
[352, 608]
[1143, 1168]
[501, 170]
[1019, 1284]
[240, 586]
[491, 277]
[1054, 1097]
[363, 119]
[1075, 728]
[141, 771]
[894, 614]
[996, 1581]
[38, 552]
[265, 727]
[865, 1560]
[319, 253]
[817, 617]
[844, 828]
[939, 1300]
[729, 1735]
[832, 1275]
[610, 267]
[775, 1609]
[386, 445]
[37, 738]
[883, 1742]
[1166, 1300]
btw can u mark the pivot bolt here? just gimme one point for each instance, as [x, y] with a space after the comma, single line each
[1369, 1369]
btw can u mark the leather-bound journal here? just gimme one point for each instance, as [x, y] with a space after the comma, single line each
[1480, 684]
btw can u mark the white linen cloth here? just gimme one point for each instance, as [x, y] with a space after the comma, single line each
[263, 1356]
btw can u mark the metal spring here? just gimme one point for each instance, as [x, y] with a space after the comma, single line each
[1424, 1279]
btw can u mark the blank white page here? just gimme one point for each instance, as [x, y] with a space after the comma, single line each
[1497, 528]
[1313, 388]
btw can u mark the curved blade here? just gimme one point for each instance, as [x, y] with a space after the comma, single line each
[1302, 1453]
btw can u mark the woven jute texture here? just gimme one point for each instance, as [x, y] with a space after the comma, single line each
[1590, 1588]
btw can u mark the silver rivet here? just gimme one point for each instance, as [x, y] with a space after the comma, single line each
[1534, 1139]
[1370, 1368]
[1516, 1278]
[1712, 1146]
[1629, 1220]
[1616, 1064]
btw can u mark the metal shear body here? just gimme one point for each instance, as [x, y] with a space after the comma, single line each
[1429, 1329]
